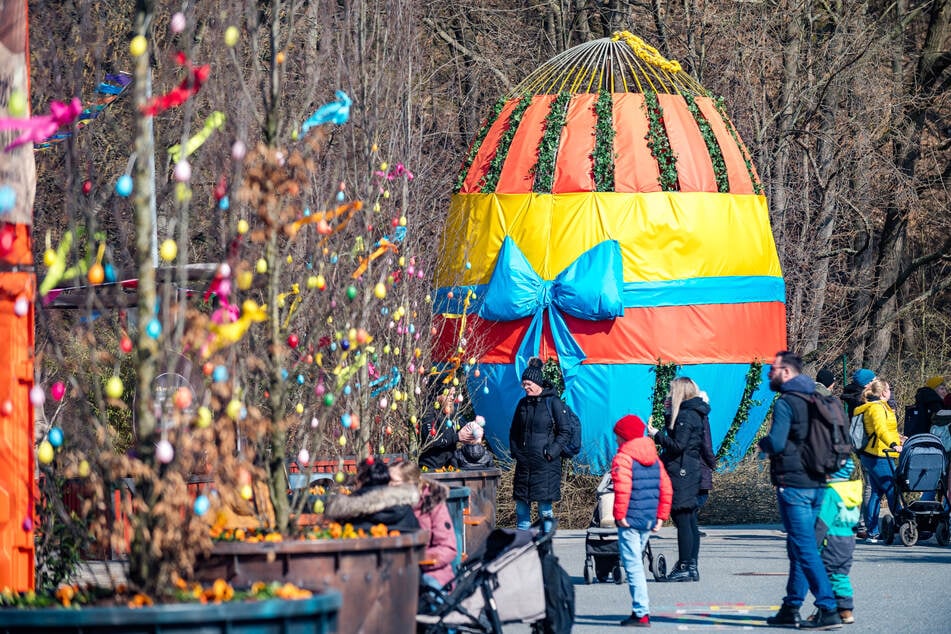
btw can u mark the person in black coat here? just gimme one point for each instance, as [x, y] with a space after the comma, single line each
[438, 434]
[538, 432]
[681, 442]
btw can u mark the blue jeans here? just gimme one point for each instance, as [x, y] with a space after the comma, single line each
[631, 543]
[523, 513]
[882, 482]
[799, 509]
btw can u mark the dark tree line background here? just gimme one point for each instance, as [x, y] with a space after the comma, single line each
[843, 104]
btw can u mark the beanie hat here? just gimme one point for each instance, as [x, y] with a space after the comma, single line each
[630, 427]
[825, 377]
[863, 376]
[533, 372]
[935, 381]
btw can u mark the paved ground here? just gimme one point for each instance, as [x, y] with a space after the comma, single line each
[742, 581]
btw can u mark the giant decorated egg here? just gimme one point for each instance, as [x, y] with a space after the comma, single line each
[608, 215]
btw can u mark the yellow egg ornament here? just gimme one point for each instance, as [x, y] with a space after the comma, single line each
[380, 290]
[261, 266]
[244, 280]
[83, 468]
[204, 417]
[243, 226]
[339, 477]
[16, 104]
[44, 452]
[231, 36]
[169, 250]
[299, 408]
[138, 46]
[318, 506]
[233, 409]
[114, 387]
[247, 492]
[342, 441]
[312, 281]
[49, 257]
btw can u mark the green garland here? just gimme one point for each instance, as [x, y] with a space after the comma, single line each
[477, 143]
[552, 373]
[721, 108]
[548, 147]
[713, 146]
[659, 144]
[664, 373]
[491, 180]
[604, 143]
[753, 378]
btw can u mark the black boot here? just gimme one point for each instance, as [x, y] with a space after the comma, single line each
[822, 620]
[692, 569]
[680, 573]
[788, 616]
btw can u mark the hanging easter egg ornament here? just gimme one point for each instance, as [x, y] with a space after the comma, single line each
[138, 46]
[154, 328]
[125, 344]
[380, 290]
[83, 469]
[114, 387]
[231, 36]
[96, 274]
[303, 457]
[58, 390]
[45, 453]
[183, 171]
[246, 492]
[201, 505]
[582, 178]
[177, 25]
[351, 292]
[164, 452]
[233, 409]
[55, 437]
[21, 307]
[16, 103]
[124, 186]
[204, 417]
[168, 251]
[318, 506]
[37, 396]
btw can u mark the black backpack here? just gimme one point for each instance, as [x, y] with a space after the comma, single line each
[828, 441]
[571, 449]
[559, 597]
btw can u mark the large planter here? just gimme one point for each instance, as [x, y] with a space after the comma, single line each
[483, 487]
[378, 577]
[316, 615]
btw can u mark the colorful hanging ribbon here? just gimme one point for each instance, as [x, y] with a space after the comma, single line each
[214, 121]
[41, 127]
[197, 75]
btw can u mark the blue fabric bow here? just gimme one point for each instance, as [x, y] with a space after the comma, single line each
[589, 288]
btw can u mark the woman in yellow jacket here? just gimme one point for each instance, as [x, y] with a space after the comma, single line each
[881, 425]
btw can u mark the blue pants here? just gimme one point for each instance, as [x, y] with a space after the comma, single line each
[881, 480]
[631, 543]
[799, 509]
[523, 513]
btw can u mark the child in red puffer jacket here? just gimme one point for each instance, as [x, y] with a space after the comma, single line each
[433, 516]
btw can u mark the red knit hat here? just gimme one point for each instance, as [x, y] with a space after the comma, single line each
[630, 427]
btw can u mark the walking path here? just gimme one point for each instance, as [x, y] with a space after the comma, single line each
[743, 579]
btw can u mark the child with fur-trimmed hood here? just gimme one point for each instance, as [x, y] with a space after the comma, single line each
[433, 515]
[375, 501]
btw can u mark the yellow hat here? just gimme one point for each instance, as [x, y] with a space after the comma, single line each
[935, 381]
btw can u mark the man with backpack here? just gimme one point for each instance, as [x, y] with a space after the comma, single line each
[799, 494]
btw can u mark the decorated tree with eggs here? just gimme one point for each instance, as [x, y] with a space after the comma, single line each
[608, 215]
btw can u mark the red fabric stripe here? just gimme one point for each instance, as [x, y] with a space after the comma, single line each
[736, 171]
[694, 167]
[480, 165]
[707, 333]
[635, 170]
[574, 169]
[517, 176]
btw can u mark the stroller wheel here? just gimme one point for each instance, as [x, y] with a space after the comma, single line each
[908, 533]
[942, 534]
[888, 529]
[588, 571]
[660, 570]
[618, 574]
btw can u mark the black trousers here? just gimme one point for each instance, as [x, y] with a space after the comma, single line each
[688, 534]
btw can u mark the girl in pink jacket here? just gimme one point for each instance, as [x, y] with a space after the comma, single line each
[433, 516]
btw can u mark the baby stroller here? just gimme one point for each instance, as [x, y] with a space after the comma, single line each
[502, 585]
[922, 467]
[602, 558]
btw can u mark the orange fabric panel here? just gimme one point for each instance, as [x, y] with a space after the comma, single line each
[736, 171]
[480, 165]
[707, 333]
[16, 429]
[498, 340]
[517, 176]
[635, 170]
[694, 167]
[574, 167]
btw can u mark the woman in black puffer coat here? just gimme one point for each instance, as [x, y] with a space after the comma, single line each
[681, 442]
[539, 431]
